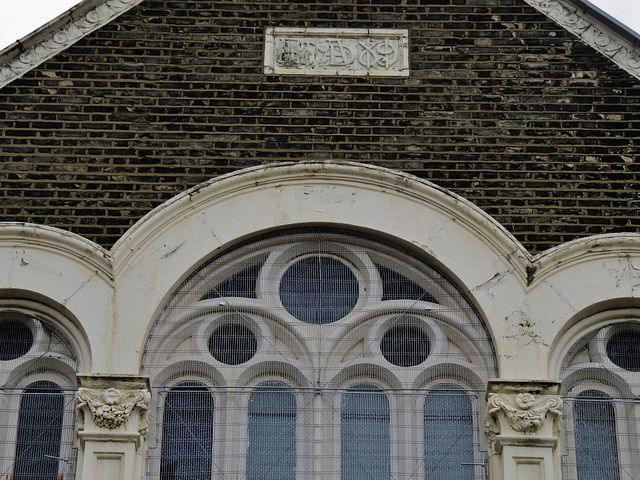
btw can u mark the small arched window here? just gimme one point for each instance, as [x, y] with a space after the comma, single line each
[448, 434]
[38, 368]
[601, 384]
[365, 434]
[594, 428]
[271, 433]
[39, 432]
[187, 433]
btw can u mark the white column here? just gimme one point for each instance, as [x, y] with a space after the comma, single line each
[523, 426]
[112, 427]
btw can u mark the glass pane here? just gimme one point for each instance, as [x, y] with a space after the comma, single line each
[623, 348]
[405, 346]
[271, 436]
[399, 287]
[595, 437]
[448, 434]
[187, 434]
[319, 290]
[365, 434]
[233, 344]
[242, 284]
[39, 433]
[16, 338]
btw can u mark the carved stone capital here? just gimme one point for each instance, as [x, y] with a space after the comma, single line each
[522, 413]
[110, 402]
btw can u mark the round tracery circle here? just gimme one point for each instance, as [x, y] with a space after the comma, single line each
[16, 338]
[623, 349]
[405, 346]
[319, 289]
[232, 344]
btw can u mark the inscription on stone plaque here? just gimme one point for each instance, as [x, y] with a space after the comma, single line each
[336, 51]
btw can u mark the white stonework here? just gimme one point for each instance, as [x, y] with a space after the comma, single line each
[622, 52]
[523, 425]
[106, 302]
[44, 43]
[336, 51]
[18, 59]
[111, 408]
[112, 424]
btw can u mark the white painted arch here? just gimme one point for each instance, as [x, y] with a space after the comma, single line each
[170, 242]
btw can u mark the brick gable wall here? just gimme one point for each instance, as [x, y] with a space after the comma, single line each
[502, 107]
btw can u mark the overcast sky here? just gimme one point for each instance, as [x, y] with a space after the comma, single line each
[20, 17]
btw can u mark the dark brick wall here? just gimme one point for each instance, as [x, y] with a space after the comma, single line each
[502, 107]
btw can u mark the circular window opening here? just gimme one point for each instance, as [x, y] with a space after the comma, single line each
[232, 344]
[16, 338]
[623, 349]
[405, 346]
[319, 290]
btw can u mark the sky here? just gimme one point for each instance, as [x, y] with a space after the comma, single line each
[20, 17]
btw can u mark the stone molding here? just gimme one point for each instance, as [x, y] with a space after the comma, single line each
[524, 416]
[60, 242]
[55, 40]
[343, 179]
[58, 35]
[523, 413]
[111, 401]
[111, 408]
[620, 51]
[336, 51]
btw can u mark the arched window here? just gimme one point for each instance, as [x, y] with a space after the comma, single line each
[601, 387]
[449, 445]
[187, 433]
[365, 434]
[315, 308]
[271, 433]
[38, 376]
[39, 432]
[594, 430]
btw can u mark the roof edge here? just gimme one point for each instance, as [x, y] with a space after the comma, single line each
[616, 24]
[90, 15]
[592, 31]
[57, 35]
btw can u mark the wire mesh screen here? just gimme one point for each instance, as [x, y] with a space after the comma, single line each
[602, 438]
[601, 380]
[38, 368]
[317, 350]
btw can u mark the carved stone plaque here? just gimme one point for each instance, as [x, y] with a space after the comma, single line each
[336, 51]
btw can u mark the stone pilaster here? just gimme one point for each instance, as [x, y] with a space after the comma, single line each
[523, 426]
[112, 426]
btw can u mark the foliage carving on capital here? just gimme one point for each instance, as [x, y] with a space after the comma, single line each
[111, 408]
[524, 413]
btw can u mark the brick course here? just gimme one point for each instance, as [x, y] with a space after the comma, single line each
[502, 107]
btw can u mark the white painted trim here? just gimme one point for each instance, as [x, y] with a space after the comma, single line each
[74, 25]
[65, 277]
[580, 327]
[57, 36]
[604, 40]
[322, 42]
